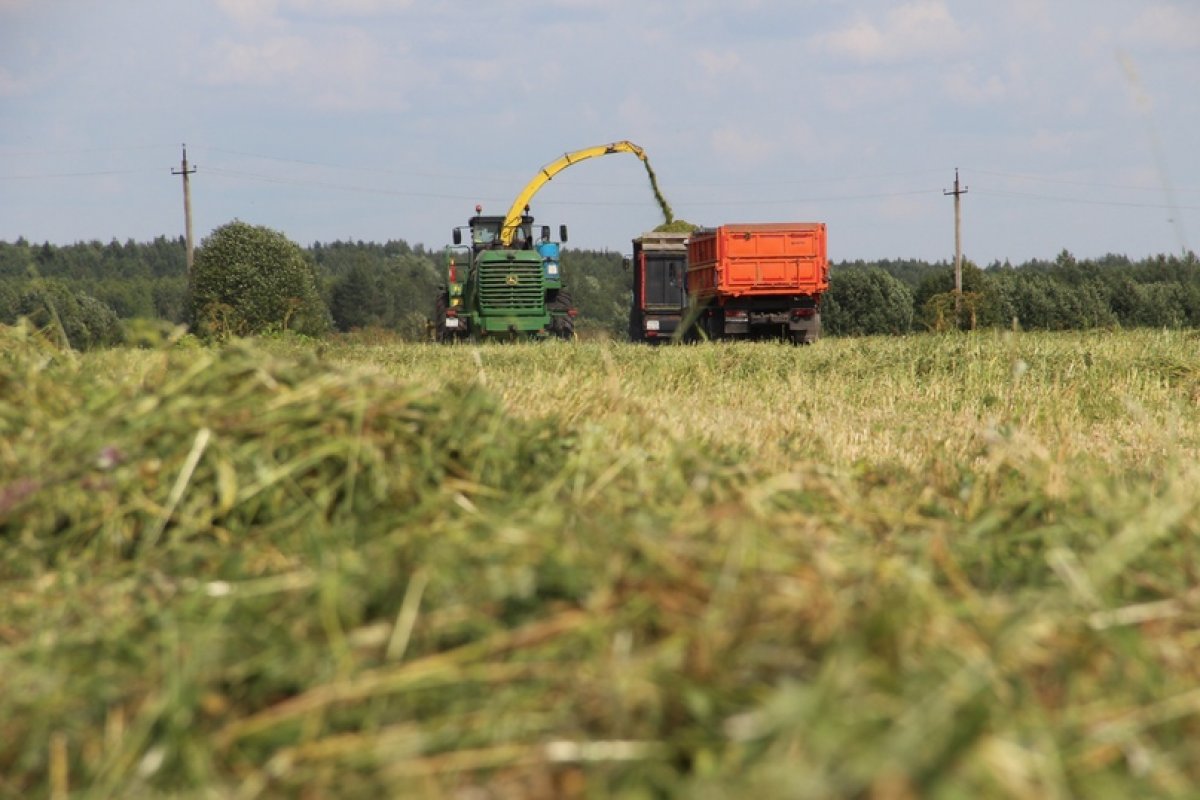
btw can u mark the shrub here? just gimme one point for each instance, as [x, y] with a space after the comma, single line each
[863, 302]
[249, 280]
[83, 321]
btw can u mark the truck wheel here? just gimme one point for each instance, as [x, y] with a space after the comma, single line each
[439, 317]
[562, 324]
[440, 333]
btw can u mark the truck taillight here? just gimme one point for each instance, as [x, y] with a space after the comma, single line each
[802, 312]
[737, 316]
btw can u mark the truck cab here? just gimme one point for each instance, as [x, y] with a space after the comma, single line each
[660, 296]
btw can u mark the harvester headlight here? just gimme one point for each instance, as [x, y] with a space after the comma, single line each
[552, 269]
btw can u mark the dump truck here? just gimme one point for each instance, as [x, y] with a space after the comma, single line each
[659, 264]
[757, 280]
[504, 282]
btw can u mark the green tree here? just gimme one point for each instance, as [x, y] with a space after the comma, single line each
[250, 279]
[601, 289]
[10, 295]
[83, 320]
[984, 304]
[1041, 302]
[358, 299]
[866, 301]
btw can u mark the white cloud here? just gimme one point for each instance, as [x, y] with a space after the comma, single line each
[741, 146]
[263, 12]
[346, 68]
[337, 8]
[250, 13]
[264, 63]
[1056, 142]
[966, 85]
[859, 90]
[913, 29]
[1031, 13]
[1167, 25]
[718, 64]
[10, 85]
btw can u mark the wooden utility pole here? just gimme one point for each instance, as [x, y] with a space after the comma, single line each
[958, 193]
[187, 205]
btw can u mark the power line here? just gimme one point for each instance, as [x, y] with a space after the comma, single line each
[57, 151]
[98, 173]
[1067, 182]
[1081, 200]
[229, 173]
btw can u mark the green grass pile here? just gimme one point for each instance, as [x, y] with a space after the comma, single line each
[262, 571]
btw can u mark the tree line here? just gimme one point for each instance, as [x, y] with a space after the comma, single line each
[100, 290]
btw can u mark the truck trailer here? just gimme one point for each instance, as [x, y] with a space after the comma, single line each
[758, 280]
[740, 281]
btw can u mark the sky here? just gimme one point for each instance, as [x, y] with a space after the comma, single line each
[1073, 124]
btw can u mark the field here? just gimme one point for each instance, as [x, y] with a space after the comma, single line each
[933, 566]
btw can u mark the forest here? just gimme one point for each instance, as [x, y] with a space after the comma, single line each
[391, 287]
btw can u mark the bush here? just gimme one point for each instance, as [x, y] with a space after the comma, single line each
[864, 302]
[249, 280]
[1040, 302]
[84, 321]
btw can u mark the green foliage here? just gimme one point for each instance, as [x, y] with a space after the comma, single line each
[392, 286]
[10, 294]
[676, 226]
[249, 280]
[358, 299]
[1042, 302]
[81, 319]
[864, 302]
[602, 291]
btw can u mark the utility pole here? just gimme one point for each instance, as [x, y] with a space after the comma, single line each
[187, 204]
[958, 193]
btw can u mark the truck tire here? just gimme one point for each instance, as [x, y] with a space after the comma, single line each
[439, 316]
[562, 324]
[808, 334]
[440, 333]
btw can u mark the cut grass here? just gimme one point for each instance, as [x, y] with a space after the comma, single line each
[934, 566]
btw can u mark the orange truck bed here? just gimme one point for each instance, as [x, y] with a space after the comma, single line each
[757, 259]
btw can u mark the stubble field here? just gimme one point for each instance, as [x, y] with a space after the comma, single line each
[933, 566]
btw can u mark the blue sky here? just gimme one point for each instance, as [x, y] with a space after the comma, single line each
[1074, 123]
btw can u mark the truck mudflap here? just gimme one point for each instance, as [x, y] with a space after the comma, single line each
[804, 329]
